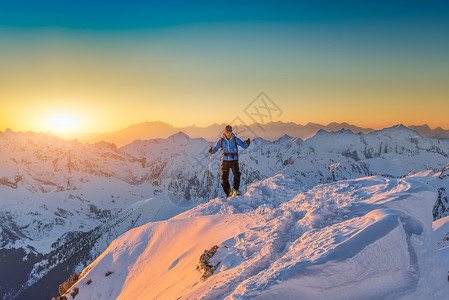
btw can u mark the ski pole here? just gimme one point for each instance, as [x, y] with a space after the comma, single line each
[247, 167]
[208, 179]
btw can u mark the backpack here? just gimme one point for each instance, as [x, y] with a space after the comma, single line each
[236, 147]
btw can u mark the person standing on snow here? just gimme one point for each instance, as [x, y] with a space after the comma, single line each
[228, 144]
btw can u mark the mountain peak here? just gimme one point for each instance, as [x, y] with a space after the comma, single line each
[179, 137]
[324, 132]
[321, 132]
[345, 131]
[401, 128]
[7, 132]
[310, 124]
[428, 132]
[284, 138]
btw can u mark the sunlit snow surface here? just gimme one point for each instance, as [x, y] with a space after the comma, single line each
[368, 238]
[441, 228]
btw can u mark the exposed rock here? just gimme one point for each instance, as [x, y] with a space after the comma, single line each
[65, 286]
[7, 182]
[204, 262]
[74, 292]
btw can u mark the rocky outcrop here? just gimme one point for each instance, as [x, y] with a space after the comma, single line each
[66, 285]
[6, 181]
[204, 262]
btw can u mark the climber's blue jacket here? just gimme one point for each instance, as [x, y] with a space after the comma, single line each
[229, 149]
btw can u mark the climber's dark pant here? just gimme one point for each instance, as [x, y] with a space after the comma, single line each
[234, 166]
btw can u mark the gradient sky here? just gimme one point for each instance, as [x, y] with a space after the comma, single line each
[108, 64]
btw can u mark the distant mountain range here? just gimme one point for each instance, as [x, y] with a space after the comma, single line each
[63, 202]
[426, 131]
[270, 131]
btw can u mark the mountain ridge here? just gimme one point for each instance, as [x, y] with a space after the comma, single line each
[270, 131]
[278, 241]
[58, 192]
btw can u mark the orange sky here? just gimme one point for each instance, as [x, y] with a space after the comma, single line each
[373, 71]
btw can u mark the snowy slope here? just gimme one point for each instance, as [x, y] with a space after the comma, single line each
[441, 229]
[63, 202]
[367, 238]
[396, 151]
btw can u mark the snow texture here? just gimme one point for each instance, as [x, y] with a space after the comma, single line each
[367, 238]
[63, 202]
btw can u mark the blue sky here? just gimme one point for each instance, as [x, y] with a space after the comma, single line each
[179, 61]
[126, 15]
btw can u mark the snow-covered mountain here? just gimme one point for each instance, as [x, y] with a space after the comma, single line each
[270, 131]
[394, 152]
[63, 202]
[368, 238]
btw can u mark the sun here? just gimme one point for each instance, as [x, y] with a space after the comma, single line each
[63, 122]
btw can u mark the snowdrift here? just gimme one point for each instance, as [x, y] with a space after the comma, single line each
[369, 238]
[441, 230]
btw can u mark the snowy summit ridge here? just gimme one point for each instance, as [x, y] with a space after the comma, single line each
[368, 238]
[63, 202]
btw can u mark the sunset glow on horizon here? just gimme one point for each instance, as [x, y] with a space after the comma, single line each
[63, 123]
[68, 69]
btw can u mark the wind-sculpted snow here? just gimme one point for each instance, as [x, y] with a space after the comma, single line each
[58, 196]
[368, 238]
[441, 229]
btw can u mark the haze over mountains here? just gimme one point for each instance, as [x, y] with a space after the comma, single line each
[269, 131]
